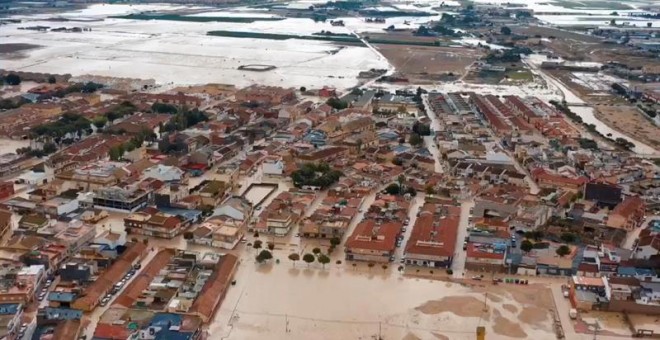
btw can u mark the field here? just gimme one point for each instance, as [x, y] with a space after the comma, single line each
[279, 301]
[423, 64]
[630, 121]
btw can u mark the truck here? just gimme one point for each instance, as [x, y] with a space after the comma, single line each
[573, 313]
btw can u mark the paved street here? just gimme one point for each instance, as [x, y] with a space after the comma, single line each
[416, 203]
[98, 311]
[458, 265]
[429, 141]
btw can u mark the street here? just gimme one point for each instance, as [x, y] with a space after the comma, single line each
[458, 265]
[429, 141]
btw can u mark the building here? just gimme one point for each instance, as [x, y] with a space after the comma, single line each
[372, 241]
[134, 253]
[156, 224]
[10, 320]
[432, 241]
[6, 189]
[130, 198]
[628, 214]
[271, 95]
[218, 233]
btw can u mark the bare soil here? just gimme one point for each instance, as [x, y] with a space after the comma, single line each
[504, 326]
[422, 63]
[464, 306]
[628, 120]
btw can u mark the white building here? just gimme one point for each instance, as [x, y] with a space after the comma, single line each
[164, 173]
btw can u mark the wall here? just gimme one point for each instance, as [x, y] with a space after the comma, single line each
[632, 307]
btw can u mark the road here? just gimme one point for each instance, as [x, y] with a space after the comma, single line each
[416, 203]
[458, 264]
[429, 140]
[563, 306]
[633, 235]
[96, 314]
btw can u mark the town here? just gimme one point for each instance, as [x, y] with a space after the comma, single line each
[493, 193]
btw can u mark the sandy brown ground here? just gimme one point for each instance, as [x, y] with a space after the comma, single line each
[422, 63]
[645, 322]
[630, 121]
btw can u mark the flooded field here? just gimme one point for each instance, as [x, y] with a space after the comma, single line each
[279, 301]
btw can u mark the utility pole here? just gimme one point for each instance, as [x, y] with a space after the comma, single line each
[596, 328]
[379, 330]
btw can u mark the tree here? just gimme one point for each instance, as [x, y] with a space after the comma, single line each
[568, 237]
[526, 246]
[316, 251]
[303, 89]
[257, 244]
[612, 22]
[384, 267]
[323, 260]
[370, 265]
[100, 121]
[52, 80]
[271, 246]
[12, 79]
[264, 255]
[308, 258]
[335, 241]
[294, 257]
[505, 30]
[563, 250]
[429, 190]
[393, 189]
[415, 139]
[337, 103]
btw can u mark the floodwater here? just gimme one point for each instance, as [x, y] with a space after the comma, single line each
[278, 301]
[257, 193]
[587, 115]
[10, 145]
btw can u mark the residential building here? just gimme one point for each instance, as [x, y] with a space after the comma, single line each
[628, 214]
[432, 241]
[157, 224]
[372, 241]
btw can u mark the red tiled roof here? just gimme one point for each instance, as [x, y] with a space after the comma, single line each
[215, 288]
[629, 206]
[433, 235]
[368, 235]
[473, 252]
[111, 332]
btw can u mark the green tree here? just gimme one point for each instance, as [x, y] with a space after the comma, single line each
[308, 258]
[415, 139]
[337, 103]
[612, 22]
[429, 190]
[52, 80]
[370, 265]
[271, 246]
[505, 30]
[294, 257]
[257, 244]
[316, 251]
[335, 241]
[563, 250]
[303, 89]
[100, 121]
[526, 246]
[393, 189]
[323, 260]
[12, 79]
[264, 255]
[568, 237]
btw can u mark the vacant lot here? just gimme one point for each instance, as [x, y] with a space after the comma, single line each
[426, 63]
[630, 121]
